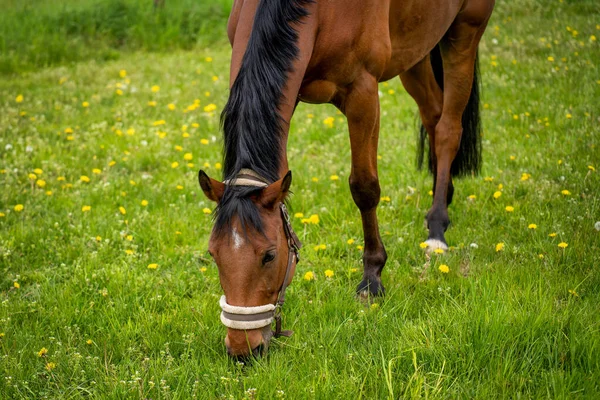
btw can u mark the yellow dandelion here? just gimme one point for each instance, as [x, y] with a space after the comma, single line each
[40, 183]
[359, 247]
[500, 246]
[119, 92]
[86, 208]
[174, 164]
[444, 269]
[159, 122]
[218, 165]
[565, 192]
[122, 73]
[298, 215]
[152, 103]
[313, 219]
[206, 210]
[329, 122]
[32, 177]
[591, 168]
[129, 252]
[144, 203]
[85, 104]
[19, 98]
[155, 88]
[152, 266]
[203, 269]
[208, 59]
[471, 197]
[16, 285]
[98, 238]
[329, 273]
[19, 207]
[309, 276]
[84, 178]
[509, 208]
[38, 171]
[43, 352]
[334, 177]
[497, 194]
[553, 234]
[563, 245]
[204, 141]
[525, 176]
[350, 241]
[178, 148]
[386, 199]
[179, 187]
[188, 156]
[438, 251]
[374, 306]
[423, 245]
[210, 107]
[89, 341]
[122, 210]
[320, 247]
[171, 106]
[532, 226]
[2, 215]
[50, 366]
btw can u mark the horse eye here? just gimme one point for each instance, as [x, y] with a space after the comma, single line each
[269, 256]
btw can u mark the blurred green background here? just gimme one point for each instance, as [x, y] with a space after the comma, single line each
[40, 33]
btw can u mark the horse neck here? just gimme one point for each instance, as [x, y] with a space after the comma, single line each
[240, 29]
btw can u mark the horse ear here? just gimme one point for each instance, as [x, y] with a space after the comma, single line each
[276, 192]
[212, 189]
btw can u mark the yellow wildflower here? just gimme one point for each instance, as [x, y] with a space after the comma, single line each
[208, 59]
[218, 165]
[144, 203]
[423, 245]
[328, 273]
[16, 285]
[203, 269]
[210, 107]
[89, 341]
[309, 276]
[19, 207]
[320, 247]
[313, 219]
[122, 210]
[179, 187]
[38, 171]
[497, 194]
[152, 103]
[553, 234]
[85, 104]
[174, 164]
[500, 246]
[386, 198]
[532, 226]
[438, 251]
[509, 208]
[41, 183]
[206, 210]
[129, 252]
[188, 156]
[159, 122]
[86, 208]
[171, 106]
[334, 177]
[119, 92]
[84, 178]
[565, 192]
[122, 73]
[204, 141]
[43, 352]
[152, 266]
[32, 177]
[329, 122]
[563, 245]
[50, 366]
[444, 269]
[19, 98]
[350, 241]
[525, 176]
[155, 88]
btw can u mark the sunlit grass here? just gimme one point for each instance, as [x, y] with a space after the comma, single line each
[103, 251]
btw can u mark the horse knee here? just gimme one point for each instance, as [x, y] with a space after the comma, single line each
[365, 191]
[447, 139]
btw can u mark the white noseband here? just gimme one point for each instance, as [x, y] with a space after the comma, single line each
[237, 317]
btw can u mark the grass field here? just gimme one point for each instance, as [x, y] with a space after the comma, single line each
[107, 291]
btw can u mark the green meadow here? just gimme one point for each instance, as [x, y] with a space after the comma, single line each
[106, 286]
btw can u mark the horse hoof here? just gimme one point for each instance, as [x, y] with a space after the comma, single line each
[434, 244]
[369, 289]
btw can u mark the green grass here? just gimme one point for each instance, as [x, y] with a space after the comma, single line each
[36, 33]
[522, 322]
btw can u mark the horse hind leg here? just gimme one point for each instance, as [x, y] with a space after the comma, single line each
[425, 88]
[459, 53]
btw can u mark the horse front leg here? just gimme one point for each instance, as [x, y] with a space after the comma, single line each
[361, 107]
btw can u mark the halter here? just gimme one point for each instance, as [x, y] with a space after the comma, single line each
[244, 318]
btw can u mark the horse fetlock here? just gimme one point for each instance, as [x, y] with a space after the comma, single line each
[370, 287]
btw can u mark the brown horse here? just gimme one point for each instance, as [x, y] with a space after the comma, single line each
[334, 51]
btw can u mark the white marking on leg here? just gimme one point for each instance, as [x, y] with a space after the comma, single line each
[238, 240]
[433, 244]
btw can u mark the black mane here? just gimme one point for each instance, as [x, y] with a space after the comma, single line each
[250, 120]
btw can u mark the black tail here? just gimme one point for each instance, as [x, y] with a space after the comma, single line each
[468, 158]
